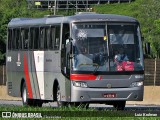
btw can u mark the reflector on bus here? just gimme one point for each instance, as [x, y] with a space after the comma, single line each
[83, 77]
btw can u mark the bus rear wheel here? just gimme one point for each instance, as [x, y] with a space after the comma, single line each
[25, 99]
[119, 105]
[36, 103]
[29, 102]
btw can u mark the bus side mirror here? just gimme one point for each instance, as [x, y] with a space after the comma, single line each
[147, 48]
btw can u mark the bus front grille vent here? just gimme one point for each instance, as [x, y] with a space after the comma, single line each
[9, 85]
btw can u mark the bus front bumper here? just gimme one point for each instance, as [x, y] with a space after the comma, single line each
[100, 95]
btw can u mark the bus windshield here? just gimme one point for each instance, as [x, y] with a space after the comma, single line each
[101, 47]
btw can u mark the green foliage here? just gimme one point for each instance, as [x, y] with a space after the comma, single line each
[13, 9]
[146, 12]
[75, 113]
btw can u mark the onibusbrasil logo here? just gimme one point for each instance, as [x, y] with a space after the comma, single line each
[21, 115]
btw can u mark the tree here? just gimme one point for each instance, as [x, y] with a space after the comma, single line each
[13, 9]
[146, 12]
[148, 15]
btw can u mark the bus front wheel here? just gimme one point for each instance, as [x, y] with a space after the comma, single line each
[80, 104]
[119, 105]
[58, 94]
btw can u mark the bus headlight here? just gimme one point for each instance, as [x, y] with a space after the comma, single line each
[139, 76]
[137, 84]
[80, 84]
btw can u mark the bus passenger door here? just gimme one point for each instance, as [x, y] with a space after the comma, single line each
[65, 64]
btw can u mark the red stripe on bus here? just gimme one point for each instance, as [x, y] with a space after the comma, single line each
[26, 72]
[82, 77]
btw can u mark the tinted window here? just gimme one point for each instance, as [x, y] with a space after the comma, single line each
[17, 39]
[57, 38]
[51, 42]
[9, 39]
[48, 38]
[42, 38]
[36, 37]
[25, 38]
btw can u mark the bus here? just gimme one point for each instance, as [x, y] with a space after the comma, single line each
[73, 60]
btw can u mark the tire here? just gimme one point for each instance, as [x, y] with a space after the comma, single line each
[84, 105]
[58, 96]
[25, 100]
[80, 105]
[29, 102]
[67, 104]
[120, 105]
[36, 103]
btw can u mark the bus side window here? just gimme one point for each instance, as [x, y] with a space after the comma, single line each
[14, 40]
[10, 34]
[52, 34]
[25, 38]
[20, 40]
[56, 46]
[47, 38]
[31, 42]
[36, 37]
[57, 38]
[42, 37]
[17, 38]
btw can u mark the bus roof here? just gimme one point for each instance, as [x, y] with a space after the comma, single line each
[82, 17]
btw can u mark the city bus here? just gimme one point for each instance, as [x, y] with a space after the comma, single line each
[72, 60]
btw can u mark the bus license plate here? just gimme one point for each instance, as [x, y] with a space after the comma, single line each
[109, 95]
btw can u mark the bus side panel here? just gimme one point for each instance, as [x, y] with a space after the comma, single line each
[15, 72]
[39, 73]
[34, 76]
[52, 68]
[52, 72]
[19, 67]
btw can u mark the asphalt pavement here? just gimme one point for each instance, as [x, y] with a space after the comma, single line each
[95, 106]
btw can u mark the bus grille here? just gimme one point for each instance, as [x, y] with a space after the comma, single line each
[9, 85]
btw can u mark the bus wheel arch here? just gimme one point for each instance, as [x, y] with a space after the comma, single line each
[55, 85]
[24, 92]
[57, 94]
[21, 86]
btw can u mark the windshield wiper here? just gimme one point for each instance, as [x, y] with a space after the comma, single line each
[86, 64]
[95, 70]
[94, 64]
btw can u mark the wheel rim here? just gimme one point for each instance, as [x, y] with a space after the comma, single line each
[24, 95]
[120, 105]
[58, 96]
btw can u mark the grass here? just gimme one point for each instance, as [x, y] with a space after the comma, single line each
[122, 9]
[72, 113]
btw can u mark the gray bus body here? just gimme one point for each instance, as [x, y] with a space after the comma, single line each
[47, 52]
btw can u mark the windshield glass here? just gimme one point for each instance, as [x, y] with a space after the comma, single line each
[101, 47]
[89, 47]
[125, 48]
